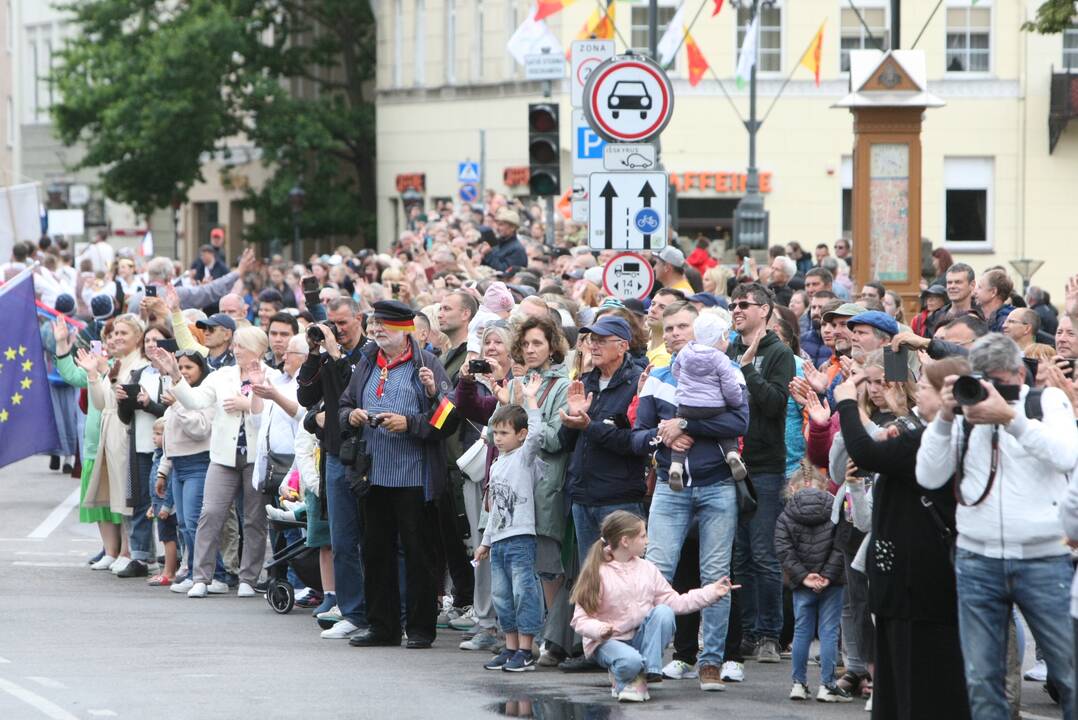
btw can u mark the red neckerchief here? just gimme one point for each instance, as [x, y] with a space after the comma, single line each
[385, 366]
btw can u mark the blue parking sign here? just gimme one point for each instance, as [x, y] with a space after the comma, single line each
[589, 146]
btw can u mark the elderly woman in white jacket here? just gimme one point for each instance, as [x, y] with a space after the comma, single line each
[232, 445]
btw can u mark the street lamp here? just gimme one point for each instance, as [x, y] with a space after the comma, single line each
[295, 200]
[175, 204]
[1026, 267]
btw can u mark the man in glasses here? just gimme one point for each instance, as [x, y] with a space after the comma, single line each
[217, 330]
[768, 366]
[1021, 325]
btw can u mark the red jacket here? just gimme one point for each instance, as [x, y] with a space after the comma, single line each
[701, 260]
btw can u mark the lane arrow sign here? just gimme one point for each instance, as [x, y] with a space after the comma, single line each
[608, 194]
[647, 193]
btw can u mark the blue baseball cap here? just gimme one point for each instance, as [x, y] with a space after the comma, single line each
[709, 300]
[874, 318]
[609, 325]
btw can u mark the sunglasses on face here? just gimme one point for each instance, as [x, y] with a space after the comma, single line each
[744, 304]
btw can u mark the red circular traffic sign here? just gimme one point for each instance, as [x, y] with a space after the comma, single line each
[628, 275]
[628, 99]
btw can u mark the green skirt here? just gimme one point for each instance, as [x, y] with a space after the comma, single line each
[317, 528]
[95, 514]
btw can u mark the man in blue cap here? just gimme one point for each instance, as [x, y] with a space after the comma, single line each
[870, 331]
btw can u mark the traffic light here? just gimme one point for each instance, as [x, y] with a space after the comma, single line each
[544, 152]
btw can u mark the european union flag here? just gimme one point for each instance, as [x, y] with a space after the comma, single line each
[27, 426]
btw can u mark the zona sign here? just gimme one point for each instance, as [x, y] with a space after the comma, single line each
[628, 98]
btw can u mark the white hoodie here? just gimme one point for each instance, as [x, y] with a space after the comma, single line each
[1020, 518]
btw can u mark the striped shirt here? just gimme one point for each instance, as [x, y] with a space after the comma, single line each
[398, 460]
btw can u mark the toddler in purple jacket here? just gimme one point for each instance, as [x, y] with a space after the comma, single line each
[707, 383]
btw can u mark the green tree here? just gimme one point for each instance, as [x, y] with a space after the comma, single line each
[1053, 16]
[150, 87]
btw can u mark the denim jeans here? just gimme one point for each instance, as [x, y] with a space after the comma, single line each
[518, 600]
[714, 508]
[987, 587]
[756, 566]
[344, 534]
[188, 485]
[139, 528]
[642, 654]
[588, 520]
[812, 609]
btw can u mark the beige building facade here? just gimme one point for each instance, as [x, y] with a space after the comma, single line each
[993, 188]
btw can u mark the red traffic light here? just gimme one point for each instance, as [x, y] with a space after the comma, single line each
[543, 118]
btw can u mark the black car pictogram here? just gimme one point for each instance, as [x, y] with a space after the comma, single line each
[629, 95]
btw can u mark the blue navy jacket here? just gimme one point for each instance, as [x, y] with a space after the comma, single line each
[508, 253]
[812, 344]
[604, 468]
[705, 463]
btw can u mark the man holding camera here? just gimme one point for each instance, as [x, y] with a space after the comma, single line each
[391, 400]
[1010, 469]
[335, 348]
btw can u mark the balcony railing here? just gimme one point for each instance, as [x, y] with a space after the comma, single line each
[1063, 105]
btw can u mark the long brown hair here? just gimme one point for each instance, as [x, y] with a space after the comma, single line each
[555, 339]
[588, 591]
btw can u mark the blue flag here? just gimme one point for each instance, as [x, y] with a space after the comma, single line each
[27, 426]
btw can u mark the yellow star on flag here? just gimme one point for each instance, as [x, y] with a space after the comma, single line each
[16, 399]
[22, 350]
[27, 366]
[10, 353]
[26, 383]
[3, 415]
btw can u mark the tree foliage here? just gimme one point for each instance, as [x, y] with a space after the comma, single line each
[1053, 16]
[153, 87]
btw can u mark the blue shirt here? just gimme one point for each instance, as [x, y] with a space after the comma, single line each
[398, 458]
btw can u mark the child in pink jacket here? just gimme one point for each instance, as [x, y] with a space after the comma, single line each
[625, 608]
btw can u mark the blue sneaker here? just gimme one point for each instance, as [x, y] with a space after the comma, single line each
[499, 661]
[522, 661]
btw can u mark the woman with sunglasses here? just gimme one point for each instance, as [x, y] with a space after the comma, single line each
[232, 436]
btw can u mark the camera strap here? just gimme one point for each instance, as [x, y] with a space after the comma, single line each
[963, 448]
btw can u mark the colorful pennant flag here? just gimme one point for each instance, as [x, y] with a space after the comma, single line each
[672, 40]
[747, 58]
[546, 8]
[811, 59]
[441, 414]
[532, 37]
[697, 62]
[718, 6]
[599, 26]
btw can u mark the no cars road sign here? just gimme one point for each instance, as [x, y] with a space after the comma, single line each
[628, 98]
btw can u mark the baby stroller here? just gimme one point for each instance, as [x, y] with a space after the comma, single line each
[304, 560]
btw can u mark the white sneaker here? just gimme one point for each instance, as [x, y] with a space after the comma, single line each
[833, 694]
[198, 590]
[466, 622]
[245, 590]
[799, 691]
[104, 563]
[182, 587]
[218, 588]
[119, 564]
[736, 465]
[343, 630]
[334, 614]
[674, 477]
[303, 593]
[1037, 673]
[678, 670]
[277, 514]
[732, 671]
[868, 705]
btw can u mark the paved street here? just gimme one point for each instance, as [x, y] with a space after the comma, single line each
[77, 644]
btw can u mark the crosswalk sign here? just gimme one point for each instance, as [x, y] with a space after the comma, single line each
[468, 172]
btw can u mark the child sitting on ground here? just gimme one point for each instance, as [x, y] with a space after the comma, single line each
[707, 384]
[509, 538]
[162, 507]
[813, 569]
[625, 608]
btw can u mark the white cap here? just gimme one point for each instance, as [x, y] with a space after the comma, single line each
[594, 275]
[710, 329]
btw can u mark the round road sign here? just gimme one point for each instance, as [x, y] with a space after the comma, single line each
[469, 192]
[628, 99]
[628, 276]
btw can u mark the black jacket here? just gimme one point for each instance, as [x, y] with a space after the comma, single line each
[419, 426]
[603, 469]
[508, 253]
[805, 539]
[767, 378]
[324, 379]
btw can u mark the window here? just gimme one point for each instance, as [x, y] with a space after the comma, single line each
[1070, 48]
[769, 58]
[846, 174]
[420, 42]
[639, 26]
[450, 41]
[398, 42]
[856, 37]
[477, 56]
[968, 202]
[969, 31]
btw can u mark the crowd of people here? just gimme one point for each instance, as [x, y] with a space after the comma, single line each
[473, 436]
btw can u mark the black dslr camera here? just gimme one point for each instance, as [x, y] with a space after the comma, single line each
[968, 390]
[315, 334]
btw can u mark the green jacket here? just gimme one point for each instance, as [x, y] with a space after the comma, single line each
[767, 379]
[76, 377]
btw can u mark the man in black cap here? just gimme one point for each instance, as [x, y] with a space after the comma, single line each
[392, 400]
[217, 330]
[335, 350]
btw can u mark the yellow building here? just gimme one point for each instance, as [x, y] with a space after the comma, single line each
[993, 191]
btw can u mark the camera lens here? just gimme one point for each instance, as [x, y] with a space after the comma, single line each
[315, 333]
[969, 391]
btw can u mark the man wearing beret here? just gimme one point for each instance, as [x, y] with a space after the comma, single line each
[391, 399]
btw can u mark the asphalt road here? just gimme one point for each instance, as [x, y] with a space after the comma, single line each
[82, 644]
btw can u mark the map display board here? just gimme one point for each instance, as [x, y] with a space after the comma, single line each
[889, 211]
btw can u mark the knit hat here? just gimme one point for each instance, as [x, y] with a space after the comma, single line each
[709, 329]
[64, 304]
[102, 307]
[497, 298]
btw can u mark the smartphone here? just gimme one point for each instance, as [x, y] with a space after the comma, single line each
[309, 284]
[151, 291]
[1032, 364]
[479, 367]
[896, 365]
[395, 288]
[95, 347]
[746, 269]
[168, 344]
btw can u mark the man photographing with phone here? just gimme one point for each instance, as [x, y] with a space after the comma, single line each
[1010, 479]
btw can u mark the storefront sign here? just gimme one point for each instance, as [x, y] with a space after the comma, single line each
[412, 181]
[718, 182]
[515, 176]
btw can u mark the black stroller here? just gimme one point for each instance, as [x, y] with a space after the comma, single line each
[304, 560]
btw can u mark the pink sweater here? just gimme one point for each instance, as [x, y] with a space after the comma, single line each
[629, 591]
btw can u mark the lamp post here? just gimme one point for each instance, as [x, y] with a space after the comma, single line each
[1026, 267]
[175, 204]
[295, 200]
